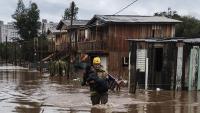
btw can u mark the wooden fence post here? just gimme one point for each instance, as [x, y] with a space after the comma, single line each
[132, 67]
[198, 81]
[190, 70]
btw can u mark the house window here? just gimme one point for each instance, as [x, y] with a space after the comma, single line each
[141, 59]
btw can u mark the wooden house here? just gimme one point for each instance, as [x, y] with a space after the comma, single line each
[107, 34]
[76, 31]
[56, 44]
[56, 39]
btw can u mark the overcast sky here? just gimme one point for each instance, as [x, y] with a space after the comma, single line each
[52, 10]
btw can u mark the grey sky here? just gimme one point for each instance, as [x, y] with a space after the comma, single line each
[52, 10]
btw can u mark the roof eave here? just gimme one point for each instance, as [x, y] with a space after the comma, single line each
[60, 24]
[95, 17]
[142, 22]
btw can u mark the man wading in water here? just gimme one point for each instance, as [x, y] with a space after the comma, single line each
[96, 78]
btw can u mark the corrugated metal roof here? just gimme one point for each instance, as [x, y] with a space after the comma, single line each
[135, 19]
[192, 40]
[75, 22]
[152, 40]
[54, 30]
[184, 40]
[58, 31]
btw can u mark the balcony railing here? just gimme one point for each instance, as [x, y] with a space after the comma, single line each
[92, 46]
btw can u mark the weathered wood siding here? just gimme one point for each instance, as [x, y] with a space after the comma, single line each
[118, 46]
[61, 41]
[115, 65]
[111, 38]
[118, 33]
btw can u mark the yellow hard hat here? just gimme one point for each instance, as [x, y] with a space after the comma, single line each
[96, 60]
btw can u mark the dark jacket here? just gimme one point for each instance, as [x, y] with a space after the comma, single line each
[100, 85]
[88, 71]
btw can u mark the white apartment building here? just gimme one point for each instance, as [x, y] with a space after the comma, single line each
[8, 30]
[11, 32]
[45, 25]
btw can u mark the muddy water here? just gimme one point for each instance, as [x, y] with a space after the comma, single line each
[28, 92]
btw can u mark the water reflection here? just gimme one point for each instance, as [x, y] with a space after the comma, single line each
[166, 102]
[16, 92]
[29, 92]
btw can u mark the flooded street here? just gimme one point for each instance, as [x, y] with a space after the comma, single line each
[28, 92]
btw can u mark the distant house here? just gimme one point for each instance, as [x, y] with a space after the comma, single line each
[76, 31]
[55, 40]
[56, 44]
[107, 34]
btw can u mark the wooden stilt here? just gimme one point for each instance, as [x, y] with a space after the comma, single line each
[179, 68]
[146, 74]
[132, 68]
[191, 70]
[198, 82]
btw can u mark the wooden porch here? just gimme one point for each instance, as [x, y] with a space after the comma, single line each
[92, 46]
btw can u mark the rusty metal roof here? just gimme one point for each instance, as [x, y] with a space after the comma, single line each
[135, 19]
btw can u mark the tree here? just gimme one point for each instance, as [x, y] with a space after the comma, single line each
[190, 26]
[33, 23]
[11, 50]
[20, 19]
[27, 20]
[27, 23]
[170, 14]
[67, 13]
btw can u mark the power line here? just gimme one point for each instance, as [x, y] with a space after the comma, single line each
[126, 7]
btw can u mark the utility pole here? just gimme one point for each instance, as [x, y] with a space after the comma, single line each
[41, 47]
[15, 53]
[6, 50]
[70, 41]
[52, 45]
[20, 57]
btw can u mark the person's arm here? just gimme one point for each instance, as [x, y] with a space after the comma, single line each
[84, 79]
[91, 79]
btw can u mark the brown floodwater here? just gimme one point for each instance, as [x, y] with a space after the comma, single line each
[29, 92]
